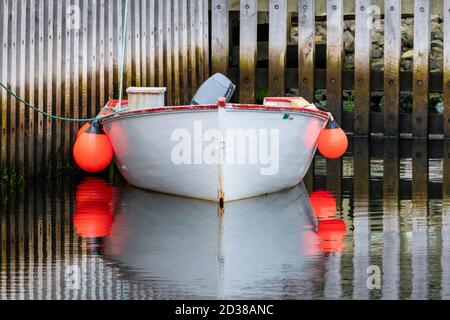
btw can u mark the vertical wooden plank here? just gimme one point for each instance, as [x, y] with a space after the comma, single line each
[392, 57]
[22, 74]
[184, 52]
[446, 86]
[168, 50]
[335, 25]
[68, 79]
[135, 23]
[306, 61]
[176, 52]
[110, 60]
[76, 69]
[199, 41]
[41, 92]
[4, 96]
[144, 36]
[93, 62]
[58, 109]
[247, 50]
[30, 127]
[152, 48]
[277, 47]
[49, 85]
[84, 59]
[192, 48]
[102, 64]
[220, 40]
[160, 43]
[391, 174]
[118, 31]
[363, 48]
[13, 83]
[129, 53]
[206, 44]
[335, 53]
[419, 171]
[306, 48]
[422, 36]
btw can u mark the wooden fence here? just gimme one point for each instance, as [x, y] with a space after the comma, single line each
[277, 77]
[63, 57]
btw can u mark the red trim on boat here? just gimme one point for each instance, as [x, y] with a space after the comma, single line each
[249, 107]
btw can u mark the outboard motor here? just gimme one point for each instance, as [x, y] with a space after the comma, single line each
[212, 89]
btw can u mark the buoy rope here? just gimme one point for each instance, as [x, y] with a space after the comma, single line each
[122, 61]
[12, 93]
[97, 118]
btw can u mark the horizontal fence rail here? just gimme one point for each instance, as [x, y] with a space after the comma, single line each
[63, 57]
[311, 65]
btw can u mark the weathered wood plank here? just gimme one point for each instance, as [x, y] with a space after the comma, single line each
[361, 169]
[152, 48]
[422, 35]
[306, 48]
[84, 59]
[419, 170]
[391, 173]
[13, 72]
[199, 41]
[392, 57]
[102, 71]
[446, 80]
[206, 39]
[128, 77]
[30, 114]
[277, 47]
[335, 53]
[93, 59]
[220, 38]
[363, 48]
[23, 85]
[247, 55]
[144, 31]
[4, 97]
[68, 101]
[136, 43]
[192, 48]
[176, 52]
[40, 88]
[58, 107]
[76, 68]
[184, 52]
[111, 24]
[160, 43]
[168, 66]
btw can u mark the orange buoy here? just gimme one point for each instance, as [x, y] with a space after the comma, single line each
[333, 141]
[82, 130]
[93, 151]
[331, 235]
[323, 204]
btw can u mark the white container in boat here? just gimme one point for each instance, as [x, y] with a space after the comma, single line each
[146, 97]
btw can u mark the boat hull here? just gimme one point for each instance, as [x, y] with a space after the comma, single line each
[215, 153]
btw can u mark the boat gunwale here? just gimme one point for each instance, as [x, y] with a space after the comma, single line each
[204, 108]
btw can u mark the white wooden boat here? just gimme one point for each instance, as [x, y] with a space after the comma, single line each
[223, 152]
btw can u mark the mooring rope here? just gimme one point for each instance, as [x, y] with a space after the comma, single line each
[122, 62]
[97, 118]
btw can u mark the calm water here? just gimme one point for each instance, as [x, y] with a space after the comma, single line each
[388, 210]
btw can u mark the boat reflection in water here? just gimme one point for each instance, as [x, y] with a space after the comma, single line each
[202, 250]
